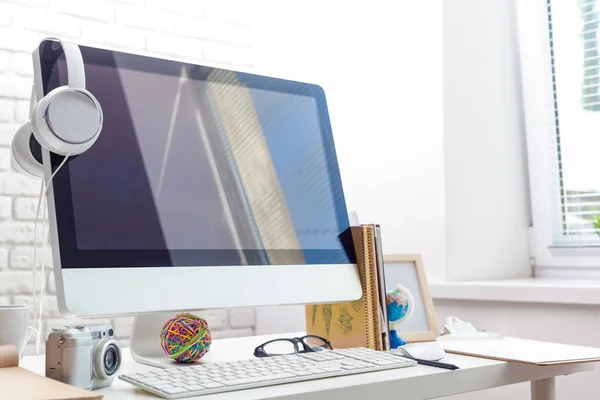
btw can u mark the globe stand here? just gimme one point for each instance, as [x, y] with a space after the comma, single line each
[395, 340]
[145, 341]
[397, 315]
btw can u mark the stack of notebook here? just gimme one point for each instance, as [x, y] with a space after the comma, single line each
[363, 322]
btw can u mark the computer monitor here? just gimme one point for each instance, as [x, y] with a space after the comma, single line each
[207, 188]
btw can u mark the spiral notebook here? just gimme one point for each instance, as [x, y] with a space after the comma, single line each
[20, 384]
[357, 323]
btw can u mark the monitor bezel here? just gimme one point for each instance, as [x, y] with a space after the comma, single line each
[92, 290]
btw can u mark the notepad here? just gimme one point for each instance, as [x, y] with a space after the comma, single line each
[355, 323]
[523, 351]
[20, 384]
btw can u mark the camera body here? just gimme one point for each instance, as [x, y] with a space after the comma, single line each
[86, 356]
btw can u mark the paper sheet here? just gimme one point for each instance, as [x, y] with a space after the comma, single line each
[522, 350]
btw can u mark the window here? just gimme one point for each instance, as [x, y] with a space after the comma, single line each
[560, 64]
[573, 36]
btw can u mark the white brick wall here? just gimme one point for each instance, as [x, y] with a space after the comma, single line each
[5, 158]
[20, 64]
[5, 206]
[117, 36]
[7, 109]
[187, 7]
[22, 109]
[3, 258]
[213, 31]
[25, 208]
[241, 318]
[6, 132]
[4, 61]
[14, 184]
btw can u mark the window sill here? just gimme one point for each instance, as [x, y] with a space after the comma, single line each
[575, 251]
[529, 290]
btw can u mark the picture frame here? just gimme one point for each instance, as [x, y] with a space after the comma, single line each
[408, 270]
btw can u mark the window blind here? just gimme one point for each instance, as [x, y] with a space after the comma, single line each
[575, 136]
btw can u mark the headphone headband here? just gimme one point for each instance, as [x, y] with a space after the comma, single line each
[74, 60]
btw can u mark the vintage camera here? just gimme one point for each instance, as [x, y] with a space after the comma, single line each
[86, 356]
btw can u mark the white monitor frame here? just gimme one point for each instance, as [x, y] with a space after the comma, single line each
[103, 291]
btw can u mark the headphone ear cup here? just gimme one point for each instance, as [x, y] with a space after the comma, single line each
[67, 120]
[26, 152]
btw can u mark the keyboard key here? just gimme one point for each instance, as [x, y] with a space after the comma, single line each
[247, 381]
[384, 362]
[287, 370]
[175, 390]
[148, 381]
[163, 386]
[306, 362]
[134, 376]
[317, 371]
[159, 382]
[332, 369]
[301, 372]
[213, 385]
[194, 388]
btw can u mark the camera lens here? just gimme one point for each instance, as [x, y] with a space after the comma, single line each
[111, 359]
[110, 332]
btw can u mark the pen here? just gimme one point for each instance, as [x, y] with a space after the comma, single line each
[434, 363]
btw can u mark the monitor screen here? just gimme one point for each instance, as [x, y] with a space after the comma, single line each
[198, 166]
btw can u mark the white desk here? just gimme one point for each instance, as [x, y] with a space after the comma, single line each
[413, 383]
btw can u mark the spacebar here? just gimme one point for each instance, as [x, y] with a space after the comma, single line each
[246, 381]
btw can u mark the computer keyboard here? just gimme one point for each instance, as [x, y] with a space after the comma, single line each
[200, 379]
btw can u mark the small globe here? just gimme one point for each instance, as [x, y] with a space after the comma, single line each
[399, 304]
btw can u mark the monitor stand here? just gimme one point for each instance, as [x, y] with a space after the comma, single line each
[145, 340]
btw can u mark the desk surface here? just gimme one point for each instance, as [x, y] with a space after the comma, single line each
[419, 382]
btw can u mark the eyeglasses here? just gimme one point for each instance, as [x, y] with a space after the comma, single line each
[279, 347]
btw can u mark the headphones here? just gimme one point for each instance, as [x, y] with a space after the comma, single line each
[66, 121]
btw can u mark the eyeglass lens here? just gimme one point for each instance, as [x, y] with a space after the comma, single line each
[316, 343]
[279, 347]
